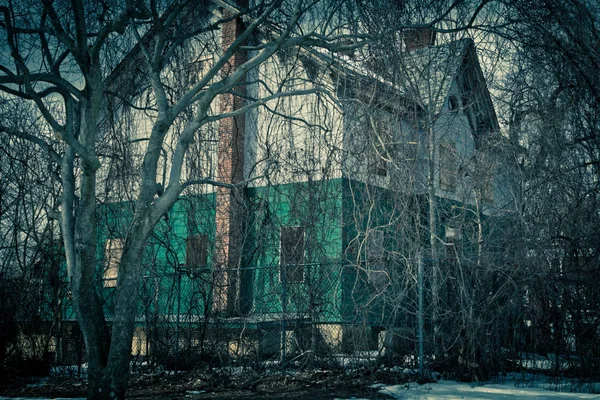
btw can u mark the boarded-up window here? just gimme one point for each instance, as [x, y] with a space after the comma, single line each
[292, 254]
[112, 257]
[196, 252]
[448, 166]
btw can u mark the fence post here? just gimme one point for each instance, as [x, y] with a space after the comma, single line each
[421, 313]
[178, 315]
[283, 317]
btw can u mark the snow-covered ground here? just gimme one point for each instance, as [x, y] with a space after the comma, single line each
[511, 387]
[447, 390]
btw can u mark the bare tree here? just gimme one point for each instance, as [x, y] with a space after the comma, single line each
[75, 61]
[30, 252]
[549, 99]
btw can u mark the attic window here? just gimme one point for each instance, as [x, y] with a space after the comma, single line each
[453, 103]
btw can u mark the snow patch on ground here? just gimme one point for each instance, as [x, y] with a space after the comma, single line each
[447, 390]
[41, 398]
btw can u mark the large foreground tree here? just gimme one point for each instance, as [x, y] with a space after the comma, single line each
[83, 65]
[151, 76]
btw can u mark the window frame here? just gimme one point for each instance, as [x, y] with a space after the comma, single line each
[380, 140]
[453, 242]
[448, 174]
[204, 257]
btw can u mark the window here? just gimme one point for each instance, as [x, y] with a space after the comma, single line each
[487, 190]
[448, 166]
[200, 161]
[411, 150]
[112, 257]
[380, 140]
[378, 164]
[484, 177]
[375, 249]
[196, 252]
[452, 234]
[376, 264]
[453, 103]
[291, 257]
[452, 242]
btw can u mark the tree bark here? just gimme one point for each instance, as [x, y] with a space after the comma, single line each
[433, 227]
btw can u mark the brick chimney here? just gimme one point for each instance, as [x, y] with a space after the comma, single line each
[418, 38]
[230, 169]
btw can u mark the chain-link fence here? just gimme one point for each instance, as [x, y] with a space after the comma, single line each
[321, 318]
[330, 314]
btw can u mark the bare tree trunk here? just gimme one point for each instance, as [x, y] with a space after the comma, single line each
[433, 242]
[421, 317]
[116, 373]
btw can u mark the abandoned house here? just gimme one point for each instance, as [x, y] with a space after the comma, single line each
[326, 200]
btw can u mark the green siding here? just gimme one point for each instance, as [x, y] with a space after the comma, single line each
[167, 291]
[315, 206]
[336, 288]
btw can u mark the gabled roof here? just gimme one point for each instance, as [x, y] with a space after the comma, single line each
[430, 72]
[427, 73]
[424, 81]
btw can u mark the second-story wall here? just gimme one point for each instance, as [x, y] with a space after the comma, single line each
[297, 136]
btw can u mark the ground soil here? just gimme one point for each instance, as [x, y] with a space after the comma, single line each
[222, 384]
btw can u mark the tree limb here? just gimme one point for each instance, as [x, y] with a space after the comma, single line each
[34, 139]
